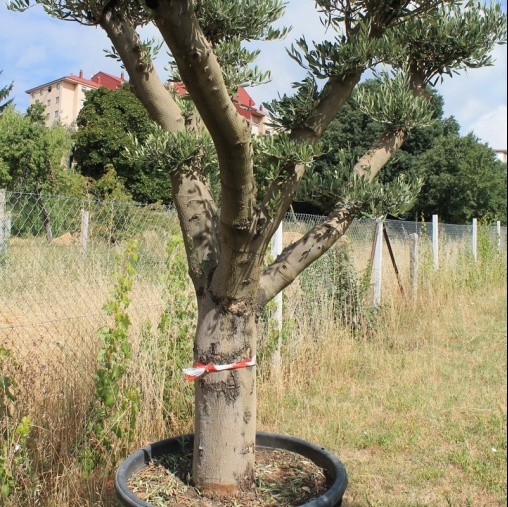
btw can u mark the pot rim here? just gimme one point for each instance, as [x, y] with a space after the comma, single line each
[318, 455]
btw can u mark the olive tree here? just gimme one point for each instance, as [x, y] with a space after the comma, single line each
[414, 43]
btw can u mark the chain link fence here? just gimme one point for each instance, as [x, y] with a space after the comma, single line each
[57, 269]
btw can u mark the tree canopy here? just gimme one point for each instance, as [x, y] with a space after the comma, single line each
[420, 41]
[34, 158]
[352, 132]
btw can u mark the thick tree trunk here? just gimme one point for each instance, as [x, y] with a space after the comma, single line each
[225, 420]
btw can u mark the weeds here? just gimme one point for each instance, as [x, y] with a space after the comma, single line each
[414, 412]
[16, 472]
[113, 423]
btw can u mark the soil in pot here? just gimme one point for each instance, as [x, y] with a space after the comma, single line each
[283, 479]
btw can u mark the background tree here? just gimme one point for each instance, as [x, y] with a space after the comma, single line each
[33, 158]
[108, 123]
[437, 153]
[421, 40]
[4, 93]
[463, 180]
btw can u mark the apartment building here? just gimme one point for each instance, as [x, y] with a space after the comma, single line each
[502, 155]
[244, 104]
[64, 97]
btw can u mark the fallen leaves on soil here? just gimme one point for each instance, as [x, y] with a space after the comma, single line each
[283, 479]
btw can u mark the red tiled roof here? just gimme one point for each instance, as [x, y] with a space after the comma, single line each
[99, 79]
[243, 101]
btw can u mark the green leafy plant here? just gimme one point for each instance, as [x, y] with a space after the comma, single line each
[117, 403]
[173, 337]
[15, 462]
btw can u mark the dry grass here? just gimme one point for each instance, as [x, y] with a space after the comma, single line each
[417, 412]
[416, 409]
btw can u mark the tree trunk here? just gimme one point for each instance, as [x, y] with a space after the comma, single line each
[225, 418]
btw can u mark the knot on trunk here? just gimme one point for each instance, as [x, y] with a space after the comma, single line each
[234, 306]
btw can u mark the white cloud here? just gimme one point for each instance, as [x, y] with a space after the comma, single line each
[490, 127]
[474, 95]
[35, 49]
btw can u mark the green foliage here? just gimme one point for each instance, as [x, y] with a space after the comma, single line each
[15, 461]
[6, 385]
[87, 12]
[335, 189]
[453, 186]
[227, 25]
[463, 179]
[393, 103]
[348, 291]
[171, 152]
[450, 39]
[291, 112]
[172, 341]
[341, 57]
[116, 406]
[277, 156]
[33, 156]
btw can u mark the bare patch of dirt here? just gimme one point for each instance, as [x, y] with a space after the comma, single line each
[283, 479]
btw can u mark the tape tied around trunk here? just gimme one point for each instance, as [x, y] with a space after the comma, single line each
[200, 369]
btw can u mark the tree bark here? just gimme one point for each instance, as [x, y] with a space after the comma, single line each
[225, 417]
[144, 80]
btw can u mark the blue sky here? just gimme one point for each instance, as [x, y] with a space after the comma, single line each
[35, 49]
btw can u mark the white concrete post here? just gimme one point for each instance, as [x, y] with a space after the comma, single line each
[275, 251]
[498, 233]
[413, 263]
[435, 241]
[474, 245]
[378, 263]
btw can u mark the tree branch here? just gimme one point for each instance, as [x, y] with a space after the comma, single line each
[199, 224]
[392, 138]
[334, 95]
[202, 76]
[380, 153]
[144, 79]
[302, 253]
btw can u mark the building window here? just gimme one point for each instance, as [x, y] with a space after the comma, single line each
[49, 88]
[40, 91]
[58, 86]
[83, 89]
[57, 100]
[56, 114]
[49, 102]
[33, 95]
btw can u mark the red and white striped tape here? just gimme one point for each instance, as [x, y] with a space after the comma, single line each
[199, 369]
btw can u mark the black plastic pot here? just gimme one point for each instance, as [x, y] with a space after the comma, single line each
[321, 457]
